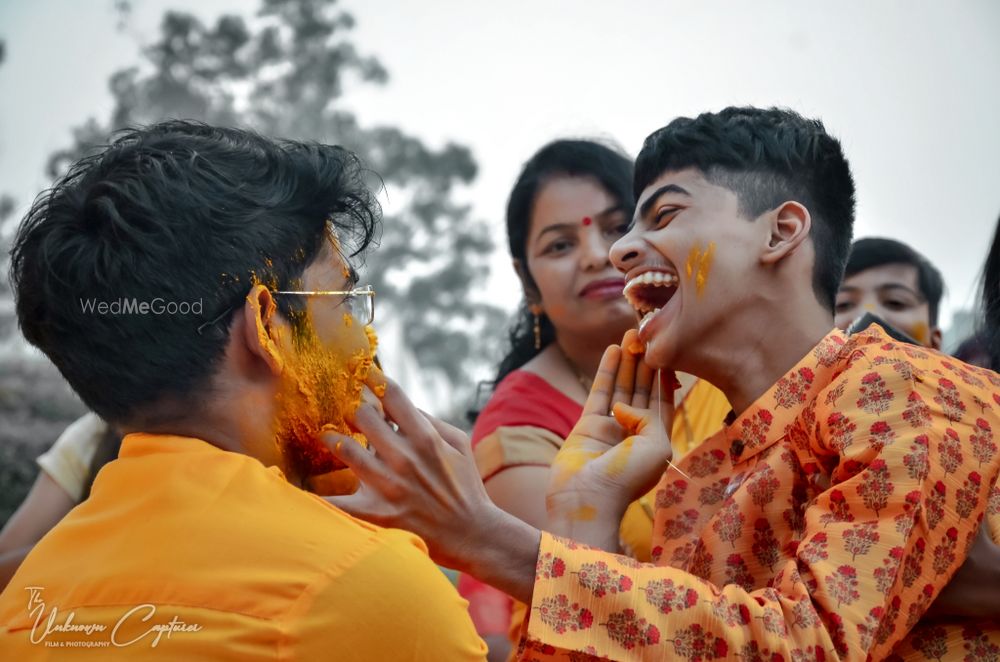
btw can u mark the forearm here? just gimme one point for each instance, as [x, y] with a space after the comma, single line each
[503, 553]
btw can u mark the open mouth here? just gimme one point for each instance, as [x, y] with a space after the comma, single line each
[649, 292]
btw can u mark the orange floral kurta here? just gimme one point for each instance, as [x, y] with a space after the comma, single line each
[820, 524]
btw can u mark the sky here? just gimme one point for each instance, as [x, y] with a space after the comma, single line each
[909, 86]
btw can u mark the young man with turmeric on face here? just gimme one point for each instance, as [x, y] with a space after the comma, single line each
[840, 504]
[198, 541]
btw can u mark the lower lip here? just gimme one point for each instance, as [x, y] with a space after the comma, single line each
[605, 292]
[658, 321]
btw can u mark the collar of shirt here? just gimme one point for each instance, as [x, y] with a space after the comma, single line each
[140, 444]
[767, 420]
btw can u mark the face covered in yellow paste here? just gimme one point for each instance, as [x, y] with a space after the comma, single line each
[326, 356]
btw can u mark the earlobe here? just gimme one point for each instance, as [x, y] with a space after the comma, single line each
[789, 225]
[260, 330]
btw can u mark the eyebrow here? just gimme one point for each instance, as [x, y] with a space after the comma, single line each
[853, 289]
[560, 227]
[663, 190]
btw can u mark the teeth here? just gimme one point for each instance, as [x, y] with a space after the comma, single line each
[654, 278]
[648, 316]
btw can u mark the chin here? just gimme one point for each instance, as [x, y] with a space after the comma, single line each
[664, 351]
[309, 455]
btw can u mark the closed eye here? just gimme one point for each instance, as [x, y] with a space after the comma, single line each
[664, 216]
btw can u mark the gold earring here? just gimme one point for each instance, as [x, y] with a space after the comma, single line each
[537, 328]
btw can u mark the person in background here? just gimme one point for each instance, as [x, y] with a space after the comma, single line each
[894, 282]
[66, 473]
[570, 203]
[990, 322]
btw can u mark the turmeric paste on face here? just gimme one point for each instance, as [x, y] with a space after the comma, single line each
[320, 392]
[699, 265]
[320, 385]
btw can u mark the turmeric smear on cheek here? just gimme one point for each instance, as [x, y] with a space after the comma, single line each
[699, 265]
[920, 333]
[320, 392]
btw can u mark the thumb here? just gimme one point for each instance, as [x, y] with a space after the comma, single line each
[633, 419]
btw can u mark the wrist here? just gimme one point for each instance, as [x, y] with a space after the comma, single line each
[591, 519]
[576, 506]
[504, 553]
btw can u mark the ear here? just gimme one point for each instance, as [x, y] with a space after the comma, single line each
[260, 332]
[936, 338]
[530, 291]
[788, 228]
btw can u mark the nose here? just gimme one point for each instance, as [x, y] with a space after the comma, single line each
[594, 251]
[627, 251]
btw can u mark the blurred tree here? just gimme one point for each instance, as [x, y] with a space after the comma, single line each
[35, 402]
[284, 72]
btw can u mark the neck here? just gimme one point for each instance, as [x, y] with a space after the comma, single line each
[229, 432]
[584, 354]
[770, 345]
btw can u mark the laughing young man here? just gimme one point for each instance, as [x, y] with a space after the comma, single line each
[198, 543]
[821, 523]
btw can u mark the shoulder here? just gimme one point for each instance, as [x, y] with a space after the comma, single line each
[515, 446]
[523, 398]
[68, 460]
[394, 583]
[872, 354]
[80, 439]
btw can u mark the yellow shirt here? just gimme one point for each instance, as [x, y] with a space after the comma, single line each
[245, 565]
[820, 524]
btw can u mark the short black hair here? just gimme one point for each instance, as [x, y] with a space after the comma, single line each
[872, 252]
[604, 164]
[766, 157]
[179, 212]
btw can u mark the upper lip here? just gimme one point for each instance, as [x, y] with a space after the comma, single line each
[618, 282]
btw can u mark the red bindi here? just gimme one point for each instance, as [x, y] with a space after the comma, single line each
[586, 221]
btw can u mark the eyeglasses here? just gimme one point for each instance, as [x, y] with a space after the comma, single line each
[360, 303]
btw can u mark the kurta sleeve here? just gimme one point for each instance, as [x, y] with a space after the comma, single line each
[909, 458]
